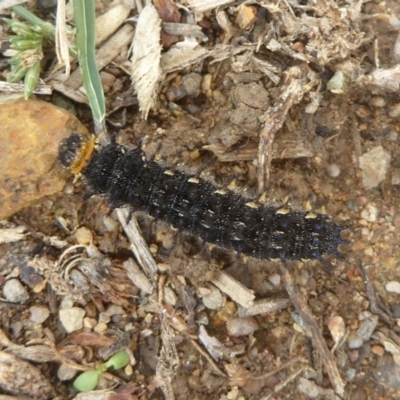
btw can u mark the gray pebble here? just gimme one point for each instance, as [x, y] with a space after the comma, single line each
[39, 314]
[354, 341]
[14, 291]
[351, 373]
[395, 308]
[333, 170]
[191, 84]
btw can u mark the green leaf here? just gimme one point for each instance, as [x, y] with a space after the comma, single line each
[31, 79]
[38, 24]
[18, 72]
[87, 381]
[118, 360]
[85, 19]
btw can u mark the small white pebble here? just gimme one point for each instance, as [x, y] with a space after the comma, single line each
[241, 326]
[153, 248]
[39, 314]
[14, 291]
[393, 136]
[333, 170]
[393, 287]
[163, 267]
[66, 303]
[89, 323]
[72, 318]
[378, 101]
[394, 111]
[170, 296]
[275, 280]
[110, 224]
[365, 231]
[369, 251]
[370, 213]
[214, 299]
[83, 236]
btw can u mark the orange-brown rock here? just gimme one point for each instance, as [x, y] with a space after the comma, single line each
[30, 133]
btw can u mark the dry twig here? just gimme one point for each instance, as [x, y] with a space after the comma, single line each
[312, 329]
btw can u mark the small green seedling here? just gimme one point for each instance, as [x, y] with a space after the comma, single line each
[89, 379]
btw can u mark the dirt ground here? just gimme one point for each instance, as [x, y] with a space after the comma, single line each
[316, 161]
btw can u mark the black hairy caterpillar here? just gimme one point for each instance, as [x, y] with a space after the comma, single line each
[192, 204]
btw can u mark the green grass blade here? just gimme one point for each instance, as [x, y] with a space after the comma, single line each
[85, 20]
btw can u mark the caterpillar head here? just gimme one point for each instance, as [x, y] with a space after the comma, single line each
[75, 151]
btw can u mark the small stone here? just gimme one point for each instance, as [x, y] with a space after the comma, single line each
[163, 267]
[66, 372]
[391, 347]
[89, 323]
[202, 319]
[378, 101]
[394, 111]
[370, 213]
[104, 318]
[396, 220]
[15, 292]
[83, 236]
[354, 341]
[246, 16]
[369, 251]
[113, 309]
[351, 373]
[213, 300]
[335, 84]
[170, 296]
[72, 318]
[395, 308]
[241, 326]
[100, 327]
[275, 280]
[393, 136]
[393, 287]
[66, 302]
[337, 328]
[354, 355]
[333, 170]
[191, 84]
[378, 350]
[395, 176]
[39, 314]
[374, 165]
